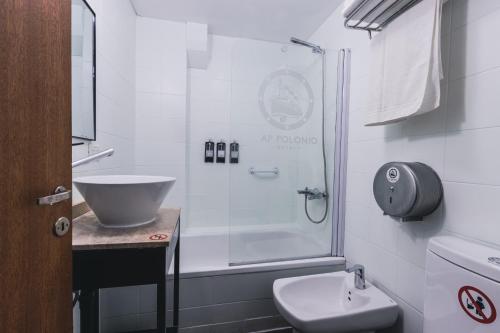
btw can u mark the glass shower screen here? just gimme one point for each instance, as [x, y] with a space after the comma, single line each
[277, 118]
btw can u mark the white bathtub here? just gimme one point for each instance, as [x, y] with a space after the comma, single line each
[217, 296]
[209, 252]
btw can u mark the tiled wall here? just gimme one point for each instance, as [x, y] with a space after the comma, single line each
[115, 24]
[209, 117]
[459, 140]
[160, 121]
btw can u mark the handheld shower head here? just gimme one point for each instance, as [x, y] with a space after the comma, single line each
[315, 48]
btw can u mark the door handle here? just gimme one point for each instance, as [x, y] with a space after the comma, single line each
[60, 194]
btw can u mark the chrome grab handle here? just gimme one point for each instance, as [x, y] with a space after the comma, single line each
[60, 194]
[274, 171]
[88, 159]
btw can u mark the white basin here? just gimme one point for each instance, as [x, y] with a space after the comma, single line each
[330, 303]
[123, 201]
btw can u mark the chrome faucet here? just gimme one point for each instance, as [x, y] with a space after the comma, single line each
[359, 275]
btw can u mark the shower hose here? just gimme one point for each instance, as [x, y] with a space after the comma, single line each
[325, 194]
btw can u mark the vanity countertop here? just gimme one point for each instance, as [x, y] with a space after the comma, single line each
[88, 234]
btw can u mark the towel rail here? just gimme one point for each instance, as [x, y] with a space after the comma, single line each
[365, 16]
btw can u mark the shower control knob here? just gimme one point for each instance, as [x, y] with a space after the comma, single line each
[312, 194]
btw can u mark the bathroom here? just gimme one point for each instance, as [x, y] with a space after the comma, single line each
[252, 125]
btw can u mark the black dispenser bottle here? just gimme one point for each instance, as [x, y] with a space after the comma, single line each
[234, 152]
[221, 152]
[209, 151]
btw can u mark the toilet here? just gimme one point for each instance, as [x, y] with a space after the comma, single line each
[462, 287]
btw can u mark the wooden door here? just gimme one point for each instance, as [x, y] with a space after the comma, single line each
[35, 158]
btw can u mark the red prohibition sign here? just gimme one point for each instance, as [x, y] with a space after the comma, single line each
[475, 309]
[158, 237]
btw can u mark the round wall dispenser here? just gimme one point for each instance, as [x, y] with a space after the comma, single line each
[407, 190]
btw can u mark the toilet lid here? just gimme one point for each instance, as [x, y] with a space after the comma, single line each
[478, 258]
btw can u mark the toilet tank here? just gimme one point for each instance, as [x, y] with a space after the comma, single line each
[462, 289]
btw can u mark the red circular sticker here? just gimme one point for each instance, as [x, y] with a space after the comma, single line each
[477, 305]
[156, 237]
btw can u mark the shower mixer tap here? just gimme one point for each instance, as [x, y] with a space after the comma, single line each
[313, 194]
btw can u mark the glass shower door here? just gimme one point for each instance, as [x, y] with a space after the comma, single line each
[277, 119]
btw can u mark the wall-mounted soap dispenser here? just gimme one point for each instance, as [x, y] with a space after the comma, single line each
[209, 151]
[234, 152]
[221, 152]
[408, 191]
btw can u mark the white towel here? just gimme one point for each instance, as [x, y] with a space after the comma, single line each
[406, 66]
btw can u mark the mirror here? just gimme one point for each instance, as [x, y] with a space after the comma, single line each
[83, 75]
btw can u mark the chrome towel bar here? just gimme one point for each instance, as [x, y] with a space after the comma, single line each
[371, 15]
[253, 171]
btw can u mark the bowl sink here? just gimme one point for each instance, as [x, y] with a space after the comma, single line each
[330, 303]
[123, 201]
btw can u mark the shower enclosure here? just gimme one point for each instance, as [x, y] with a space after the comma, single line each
[246, 224]
[283, 96]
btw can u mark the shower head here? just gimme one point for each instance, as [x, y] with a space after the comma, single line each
[315, 48]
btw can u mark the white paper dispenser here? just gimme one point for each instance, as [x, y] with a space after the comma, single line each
[407, 190]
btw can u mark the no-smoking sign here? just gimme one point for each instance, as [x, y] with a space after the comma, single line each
[477, 305]
[157, 237]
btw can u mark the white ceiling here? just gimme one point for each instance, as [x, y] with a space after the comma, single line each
[272, 20]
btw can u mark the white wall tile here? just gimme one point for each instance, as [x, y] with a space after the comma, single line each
[410, 283]
[426, 149]
[472, 49]
[359, 132]
[472, 210]
[219, 67]
[210, 89]
[165, 152]
[467, 11]
[199, 132]
[381, 266]
[470, 156]
[149, 79]
[161, 88]
[157, 127]
[209, 110]
[473, 102]
[413, 237]
[359, 189]
[383, 230]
